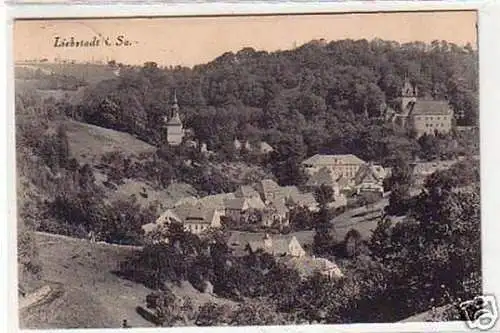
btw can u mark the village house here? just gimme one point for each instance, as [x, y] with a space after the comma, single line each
[269, 190]
[166, 218]
[421, 116]
[238, 208]
[246, 199]
[217, 201]
[261, 147]
[279, 246]
[339, 165]
[265, 148]
[254, 199]
[238, 145]
[370, 178]
[307, 266]
[306, 200]
[198, 218]
[276, 213]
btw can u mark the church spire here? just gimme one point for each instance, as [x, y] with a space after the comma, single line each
[175, 105]
[175, 130]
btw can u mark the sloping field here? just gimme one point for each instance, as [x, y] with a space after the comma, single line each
[88, 142]
[91, 295]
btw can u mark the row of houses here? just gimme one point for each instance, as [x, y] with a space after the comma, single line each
[270, 201]
[288, 250]
[345, 173]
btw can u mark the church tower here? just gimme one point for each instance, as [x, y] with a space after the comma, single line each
[175, 130]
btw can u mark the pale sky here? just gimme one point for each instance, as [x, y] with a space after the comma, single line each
[189, 41]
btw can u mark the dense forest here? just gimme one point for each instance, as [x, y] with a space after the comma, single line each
[315, 98]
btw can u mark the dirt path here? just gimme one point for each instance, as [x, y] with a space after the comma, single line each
[100, 243]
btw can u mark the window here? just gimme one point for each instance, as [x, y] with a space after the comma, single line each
[438, 118]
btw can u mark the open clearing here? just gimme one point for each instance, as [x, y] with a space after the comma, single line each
[88, 142]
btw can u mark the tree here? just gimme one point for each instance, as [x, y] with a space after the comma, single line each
[286, 160]
[323, 239]
[399, 183]
[324, 195]
[170, 310]
[301, 218]
[380, 241]
[63, 146]
[352, 242]
[212, 314]
[253, 313]
[430, 147]
[437, 248]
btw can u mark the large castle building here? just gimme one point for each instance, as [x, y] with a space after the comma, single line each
[421, 116]
[173, 124]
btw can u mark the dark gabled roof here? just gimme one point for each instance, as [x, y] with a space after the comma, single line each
[279, 245]
[236, 204]
[430, 107]
[195, 213]
[367, 171]
[269, 185]
[304, 199]
[278, 206]
[245, 191]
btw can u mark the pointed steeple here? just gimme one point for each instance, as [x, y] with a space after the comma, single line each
[175, 105]
[174, 118]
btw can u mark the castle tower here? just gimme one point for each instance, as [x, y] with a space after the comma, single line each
[409, 94]
[175, 130]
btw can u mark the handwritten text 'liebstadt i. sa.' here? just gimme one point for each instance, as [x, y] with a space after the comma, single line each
[96, 41]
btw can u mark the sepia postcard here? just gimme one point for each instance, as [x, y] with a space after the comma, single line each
[249, 170]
